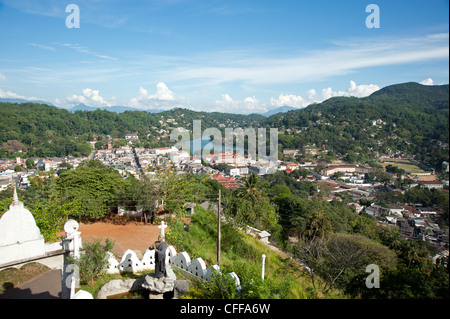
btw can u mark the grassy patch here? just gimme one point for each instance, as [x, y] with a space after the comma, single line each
[13, 277]
[404, 164]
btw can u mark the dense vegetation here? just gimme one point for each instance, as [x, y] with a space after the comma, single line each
[327, 236]
[36, 130]
[412, 119]
[346, 242]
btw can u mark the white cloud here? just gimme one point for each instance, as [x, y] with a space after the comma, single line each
[428, 81]
[42, 46]
[362, 90]
[339, 59]
[164, 98]
[2, 77]
[246, 106]
[85, 50]
[12, 95]
[90, 97]
[289, 100]
[163, 93]
[312, 97]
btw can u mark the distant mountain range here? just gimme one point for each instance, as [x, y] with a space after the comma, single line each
[121, 109]
[116, 109]
[282, 109]
[4, 100]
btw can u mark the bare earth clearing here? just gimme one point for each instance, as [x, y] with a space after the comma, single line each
[134, 236]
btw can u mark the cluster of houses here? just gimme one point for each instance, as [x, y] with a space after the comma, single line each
[414, 222]
[123, 158]
[16, 171]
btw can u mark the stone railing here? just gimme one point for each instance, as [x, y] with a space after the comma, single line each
[195, 269]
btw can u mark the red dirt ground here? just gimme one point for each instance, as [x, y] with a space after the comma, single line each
[134, 236]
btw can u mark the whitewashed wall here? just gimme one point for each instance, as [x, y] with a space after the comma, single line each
[196, 268]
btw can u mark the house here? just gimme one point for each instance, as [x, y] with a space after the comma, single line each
[164, 150]
[291, 152]
[179, 156]
[132, 137]
[427, 211]
[405, 228]
[431, 184]
[292, 166]
[4, 182]
[332, 169]
[227, 182]
[396, 210]
[376, 210]
[391, 219]
[235, 172]
[49, 165]
[243, 170]
[419, 223]
[411, 211]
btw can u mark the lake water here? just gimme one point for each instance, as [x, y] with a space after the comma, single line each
[203, 143]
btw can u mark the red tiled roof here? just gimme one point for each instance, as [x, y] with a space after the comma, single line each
[227, 182]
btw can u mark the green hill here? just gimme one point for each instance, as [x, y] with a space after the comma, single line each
[412, 119]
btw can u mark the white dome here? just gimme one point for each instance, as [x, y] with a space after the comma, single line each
[17, 225]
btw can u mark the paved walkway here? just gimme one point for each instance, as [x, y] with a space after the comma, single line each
[44, 286]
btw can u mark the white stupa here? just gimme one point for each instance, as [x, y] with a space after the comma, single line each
[20, 238]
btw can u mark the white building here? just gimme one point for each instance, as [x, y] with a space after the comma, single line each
[49, 165]
[179, 156]
[235, 172]
[164, 150]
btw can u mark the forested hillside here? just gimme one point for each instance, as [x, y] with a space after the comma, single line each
[408, 118]
[42, 130]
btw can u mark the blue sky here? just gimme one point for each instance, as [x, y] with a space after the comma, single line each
[217, 55]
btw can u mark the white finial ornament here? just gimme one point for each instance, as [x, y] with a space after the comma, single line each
[15, 201]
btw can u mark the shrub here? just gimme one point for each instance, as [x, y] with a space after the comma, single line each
[93, 260]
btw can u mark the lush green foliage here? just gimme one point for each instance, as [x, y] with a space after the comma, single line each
[241, 253]
[40, 130]
[94, 186]
[414, 119]
[93, 260]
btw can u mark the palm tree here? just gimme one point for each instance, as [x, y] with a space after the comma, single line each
[413, 256]
[249, 190]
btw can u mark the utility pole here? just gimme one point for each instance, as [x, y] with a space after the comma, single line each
[218, 228]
